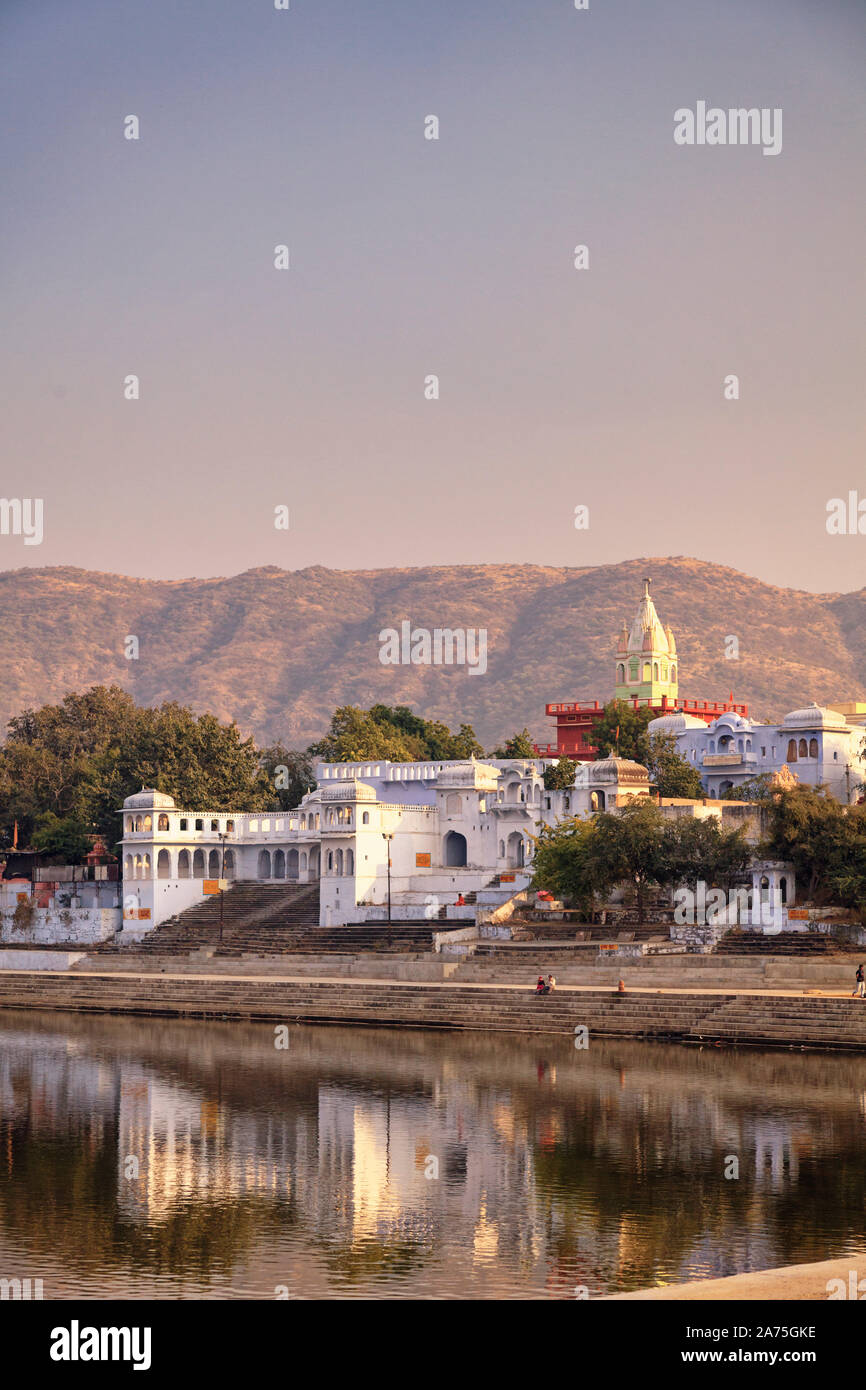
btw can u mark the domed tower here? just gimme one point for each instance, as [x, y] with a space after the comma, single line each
[646, 657]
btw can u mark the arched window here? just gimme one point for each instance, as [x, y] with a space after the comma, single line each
[783, 888]
[350, 861]
[813, 748]
[501, 849]
[279, 864]
[365, 819]
[647, 669]
[655, 670]
[229, 865]
[330, 861]
[803, 750]
[292, 864]
[338, 866]
[163, 864]
[162, 823]
[198, 864]
[139, 824]
[304, 862]
[213, 864]
[264, 866]
[620, 674]
[137, 867]
[673, 673]
[792, 750]
[183, 864]
[145, 866]
[148, 823]
[130, 825]
[128, 871]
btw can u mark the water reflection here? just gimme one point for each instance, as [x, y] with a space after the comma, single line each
[165, 1159]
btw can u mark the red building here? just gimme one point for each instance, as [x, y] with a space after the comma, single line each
[575, 722]
[647, 673]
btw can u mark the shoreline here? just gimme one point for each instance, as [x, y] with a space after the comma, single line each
[790, 1283]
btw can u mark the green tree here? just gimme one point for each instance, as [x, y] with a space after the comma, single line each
[559, 777]
[816, 833]
[78, 760]
[671, 773]
[566, 863]
[66, 840]
[290, 773]
[630, 846]
[518, 746]
[758, 788]
[633, 740]
[701, 850]
[395, 734]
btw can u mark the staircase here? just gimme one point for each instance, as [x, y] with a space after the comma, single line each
[272, 919]
[786, 943]
[257, 917]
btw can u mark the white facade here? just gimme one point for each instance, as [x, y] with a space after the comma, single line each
[817, 745]
[450, 828]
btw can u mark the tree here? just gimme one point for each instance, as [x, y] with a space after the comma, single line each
[518, 746]
[701, 850]
[559, 777]
[290, 773]
[80, 759]
[394, 734]
[817, 834]
[630, 845]
[757, 788]
[633, 741]
[565, 862]
[672, 774]
[67, 840]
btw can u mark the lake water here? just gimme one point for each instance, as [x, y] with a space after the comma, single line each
[150, 1158]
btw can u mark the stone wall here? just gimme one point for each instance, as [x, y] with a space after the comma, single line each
[27, 925]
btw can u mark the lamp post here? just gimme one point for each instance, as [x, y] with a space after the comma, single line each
[388, 838]
[222, 837]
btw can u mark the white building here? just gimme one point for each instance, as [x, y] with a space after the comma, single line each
[450, 828]
[817, 745]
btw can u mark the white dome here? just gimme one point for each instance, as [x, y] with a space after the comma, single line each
[151, 799]
[815, 717]
[676, 723]
[617, 770]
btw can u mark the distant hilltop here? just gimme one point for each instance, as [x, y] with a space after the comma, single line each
[278, 650]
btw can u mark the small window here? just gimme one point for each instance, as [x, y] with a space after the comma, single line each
[183, 823]
[254, 825]
[266, 825]
[365, 819]
[199, 825]
[763, 752]
[214, 825]
[230, 825]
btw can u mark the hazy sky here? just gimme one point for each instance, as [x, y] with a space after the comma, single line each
[558, 387]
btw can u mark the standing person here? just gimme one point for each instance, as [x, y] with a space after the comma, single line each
[860, 991]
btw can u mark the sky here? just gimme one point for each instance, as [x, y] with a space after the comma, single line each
[262, 388]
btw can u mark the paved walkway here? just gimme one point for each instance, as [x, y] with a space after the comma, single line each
[527, 988]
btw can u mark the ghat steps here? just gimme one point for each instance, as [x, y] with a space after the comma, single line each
[792, 1021]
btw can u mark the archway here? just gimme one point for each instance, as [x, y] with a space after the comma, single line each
[198, 864]
[516, 850]
[183, 864]
[455, 850]
[279, 864]
[230, 864]
[292, 864]
[264, 864]
[163, 864]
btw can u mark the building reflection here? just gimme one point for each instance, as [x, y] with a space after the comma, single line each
[431, 1164]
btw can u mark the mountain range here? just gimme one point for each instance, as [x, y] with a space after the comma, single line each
[278, 650]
